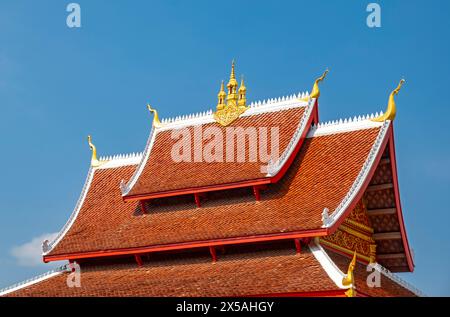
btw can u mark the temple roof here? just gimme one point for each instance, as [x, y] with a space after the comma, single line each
[264, 271]
[331, 170]
[160, 175]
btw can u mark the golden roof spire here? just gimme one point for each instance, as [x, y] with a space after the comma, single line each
[242, 87]
[156, 122]
[235, 104]
[315, 92]
[232, 83]
[391, 108]
[349, 279]
[94, 161]
[221, 97]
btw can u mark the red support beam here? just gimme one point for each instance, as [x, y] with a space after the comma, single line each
[256, 193]
[197, 200]
[212, 250]
[298, 246]
[138, 259]
[143, 206]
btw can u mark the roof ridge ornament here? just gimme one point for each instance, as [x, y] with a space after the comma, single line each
[315, 92]
[235, 104]
[156, 122]
[391, 108]
[349, 279]
[94, 161]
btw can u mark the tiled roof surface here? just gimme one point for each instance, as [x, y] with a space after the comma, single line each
[161, 173]
[263, 272]
[320, 176]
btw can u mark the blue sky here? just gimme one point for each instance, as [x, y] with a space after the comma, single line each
[59, 84]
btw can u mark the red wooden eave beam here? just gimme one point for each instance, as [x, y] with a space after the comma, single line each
[197, 200]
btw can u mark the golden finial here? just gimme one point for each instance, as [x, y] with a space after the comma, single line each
[349, 279]
[391, 108]
[242, 101]
[235, 105]
[315, 92]
[156, 122]
[94, 161]
[221, 97]
[232, 83]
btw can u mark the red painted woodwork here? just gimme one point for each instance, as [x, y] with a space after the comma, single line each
[138, 259]
[212, 250]
[298, 246]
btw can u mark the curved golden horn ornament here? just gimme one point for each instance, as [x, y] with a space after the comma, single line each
[156, 122]
[391, 110]
[315, 92]
[349, 279]
[94, 161]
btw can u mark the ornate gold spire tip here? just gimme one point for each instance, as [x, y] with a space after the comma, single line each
[94, 161]
[156, 122]
[231, 106]
[391, 110]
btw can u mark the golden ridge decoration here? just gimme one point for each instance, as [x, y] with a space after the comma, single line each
[391, 108]
[94, 161]
[156, 122]
[349, 279]
[315, 92]
[235, 104]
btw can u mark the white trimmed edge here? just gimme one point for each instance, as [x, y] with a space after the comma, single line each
[335, 274]
[254, 108]
[34, 280]
[360, 179]
[109, 162]
[74, 214]
[274, 167]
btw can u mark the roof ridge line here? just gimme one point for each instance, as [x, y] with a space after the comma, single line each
[120, 156]
[253, 105]
[33, 280]
[345, 125]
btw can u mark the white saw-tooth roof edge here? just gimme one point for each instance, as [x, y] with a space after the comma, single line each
[34, 280]
[274, 167]
[344, 125]
[109, 162]
[257, 107]
[359, 181]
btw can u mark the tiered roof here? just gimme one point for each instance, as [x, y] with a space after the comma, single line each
[145, 205]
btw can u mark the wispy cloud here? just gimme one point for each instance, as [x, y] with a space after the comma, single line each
[30, 253]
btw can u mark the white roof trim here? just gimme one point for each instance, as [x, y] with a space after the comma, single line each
[120, 160]
[74, 214]
[344, 125]
[363, 174]
[33, 280]
[335, 274]
[274, 167]
[125, 188]
[258, 107]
